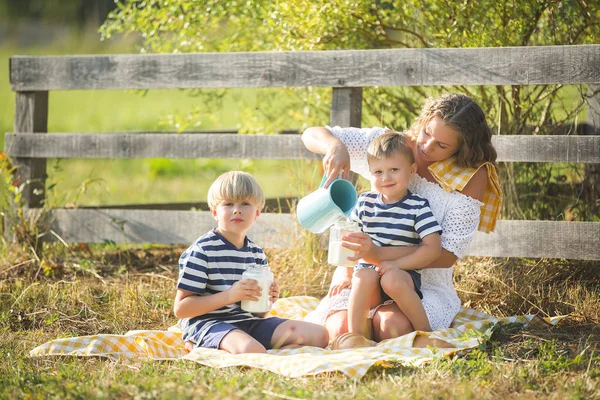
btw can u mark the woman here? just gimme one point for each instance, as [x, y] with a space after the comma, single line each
[452, 142]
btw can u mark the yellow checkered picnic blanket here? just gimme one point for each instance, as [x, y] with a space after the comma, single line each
[453, 177]
[468, 330]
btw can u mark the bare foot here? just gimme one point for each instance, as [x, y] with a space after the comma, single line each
[189, 346]
[351, 340]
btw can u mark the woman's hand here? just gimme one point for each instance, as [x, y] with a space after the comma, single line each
[274, 292]
[337, 288]
[336, 160]
[364, 247]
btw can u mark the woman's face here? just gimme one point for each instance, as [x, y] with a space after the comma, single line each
[436, 141]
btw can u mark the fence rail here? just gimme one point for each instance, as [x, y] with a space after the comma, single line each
[549, 239]
[525, 148]
[346, 72]
[542, 65]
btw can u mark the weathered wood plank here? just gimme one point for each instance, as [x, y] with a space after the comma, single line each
[567, 148]
[539, 239]
[168, 227]
[275, 205]
[31, 116]
[141, 145]
[346, 68]
[548, 239]
[527, 148]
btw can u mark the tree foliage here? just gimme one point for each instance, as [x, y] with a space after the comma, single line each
[172, 26]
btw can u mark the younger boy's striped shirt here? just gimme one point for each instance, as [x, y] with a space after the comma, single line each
[403, 223]
[209, 266]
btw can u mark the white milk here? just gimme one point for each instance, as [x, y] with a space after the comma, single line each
[264, 277]
[338, 255]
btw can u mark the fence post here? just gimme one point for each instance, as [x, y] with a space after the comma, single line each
[592, 171]
[346, 110]
[346, 107]
[31, 116]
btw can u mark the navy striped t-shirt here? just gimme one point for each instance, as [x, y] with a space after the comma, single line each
[212, 265]
[403, 223]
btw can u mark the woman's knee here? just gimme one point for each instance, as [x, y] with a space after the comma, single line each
[396, 280]
[337, 323]
[390, 323]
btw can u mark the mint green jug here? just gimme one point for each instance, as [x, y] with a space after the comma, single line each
[320, 209]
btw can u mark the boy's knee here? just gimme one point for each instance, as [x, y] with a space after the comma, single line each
[396, 280]
[365, 276]
[312, 334]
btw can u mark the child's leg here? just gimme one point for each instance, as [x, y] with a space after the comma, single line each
[238, 342]
[398, 284]
[293, 333]
[365, 294]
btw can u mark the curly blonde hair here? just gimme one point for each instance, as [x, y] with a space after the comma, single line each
[464, 116]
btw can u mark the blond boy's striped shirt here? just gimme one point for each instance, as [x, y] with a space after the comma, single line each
[452, 177]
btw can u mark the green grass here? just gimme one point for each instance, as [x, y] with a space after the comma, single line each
[107, 290]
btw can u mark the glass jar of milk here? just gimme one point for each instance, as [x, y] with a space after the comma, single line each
[263, 275]
[337, 254]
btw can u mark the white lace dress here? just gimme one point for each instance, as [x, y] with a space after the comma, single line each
[456, 213]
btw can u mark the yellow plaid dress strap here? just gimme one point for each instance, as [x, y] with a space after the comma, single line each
[453, 177]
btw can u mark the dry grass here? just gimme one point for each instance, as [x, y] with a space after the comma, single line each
[102, 289]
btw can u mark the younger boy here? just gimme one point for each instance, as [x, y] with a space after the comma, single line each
[393, 216]
[210, 288]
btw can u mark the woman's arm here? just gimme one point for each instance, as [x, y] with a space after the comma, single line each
[342, 278]
[476, 186]
[336, 159]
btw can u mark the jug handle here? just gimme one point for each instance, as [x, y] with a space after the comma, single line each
[325, 179]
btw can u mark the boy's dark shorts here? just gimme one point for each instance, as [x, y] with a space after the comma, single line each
[260, 329]
[415, 275]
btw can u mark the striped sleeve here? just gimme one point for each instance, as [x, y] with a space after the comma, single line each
[425, 222]
[355, 216]
[193, 270]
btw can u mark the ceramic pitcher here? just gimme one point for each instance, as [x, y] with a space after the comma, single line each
[320, 209]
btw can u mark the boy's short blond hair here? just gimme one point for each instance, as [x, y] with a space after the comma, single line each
[235, 186]
[390, 143]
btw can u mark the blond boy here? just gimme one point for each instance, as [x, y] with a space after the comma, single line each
[210, 288]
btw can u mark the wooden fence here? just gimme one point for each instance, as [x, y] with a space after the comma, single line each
[346, 72]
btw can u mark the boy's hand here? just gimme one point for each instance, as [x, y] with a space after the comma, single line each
[363, 245]
[336, 289]
[384, 267]
[245, 289]
[274, 292]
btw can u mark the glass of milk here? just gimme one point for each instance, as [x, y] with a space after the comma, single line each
[263, 275]
[338, 255]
